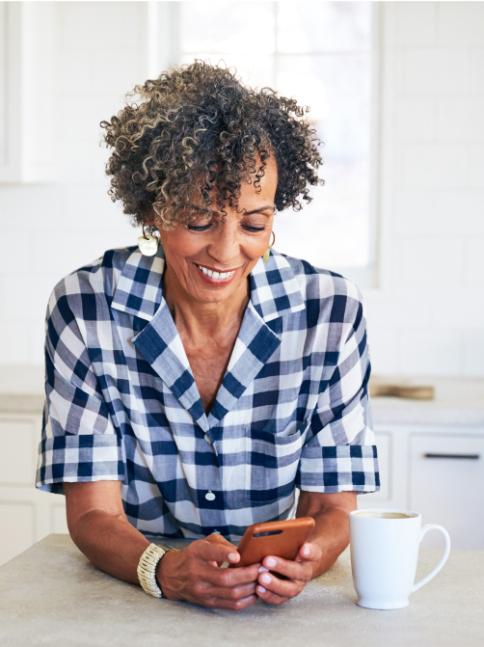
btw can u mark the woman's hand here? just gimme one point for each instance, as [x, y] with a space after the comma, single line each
[274, 590]
[195, 574]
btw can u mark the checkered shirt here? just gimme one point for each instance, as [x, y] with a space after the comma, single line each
[122, 404]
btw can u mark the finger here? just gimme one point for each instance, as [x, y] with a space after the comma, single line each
[230, 577]
[293, 570]
[268, 597]
[309, 552]
[215, 551]
[216, 537]
[235, 605]
[284, 588]
[232, 593]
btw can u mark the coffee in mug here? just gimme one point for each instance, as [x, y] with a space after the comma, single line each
[384, 553]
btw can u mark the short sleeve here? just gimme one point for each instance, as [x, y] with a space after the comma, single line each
[340, 452]
[78, 440]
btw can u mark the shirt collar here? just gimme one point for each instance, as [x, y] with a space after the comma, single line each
[274, 287]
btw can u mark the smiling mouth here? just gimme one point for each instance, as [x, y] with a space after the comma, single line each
[215, 276]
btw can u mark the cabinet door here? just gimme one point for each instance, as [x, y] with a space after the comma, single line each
[391, 457]
[26, 514]
[446, 486]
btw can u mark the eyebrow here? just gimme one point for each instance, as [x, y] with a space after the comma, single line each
[272, 207]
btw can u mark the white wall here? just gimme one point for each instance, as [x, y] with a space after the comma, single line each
[427, 315]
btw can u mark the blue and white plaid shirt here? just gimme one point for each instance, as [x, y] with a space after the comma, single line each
[122, 404]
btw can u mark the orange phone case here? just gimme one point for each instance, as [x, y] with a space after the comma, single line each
[280, 538]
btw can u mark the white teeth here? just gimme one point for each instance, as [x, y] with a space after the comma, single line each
[216, 276]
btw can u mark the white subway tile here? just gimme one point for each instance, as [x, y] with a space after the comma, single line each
[383, 349]
[458, 307]
[101, 25]
[474, 264]
[476, 166]
[439, 212]
[415, 119]
[433, 166]
[435, 71]
[460, 119]
[460, 24]
[473, 354]
[16, 252]
[24, 298]
[428, 262]
[23, 204]
[15, 344]
[89, 72]
[425, 351]
[415, 23]
[410, 306]
[476, 70]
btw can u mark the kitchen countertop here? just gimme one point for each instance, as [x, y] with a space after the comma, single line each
[457, 402]
[51, 595]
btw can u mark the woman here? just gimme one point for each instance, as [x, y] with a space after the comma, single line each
[194, 382]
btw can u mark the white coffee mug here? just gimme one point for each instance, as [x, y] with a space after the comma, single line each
[384, 553]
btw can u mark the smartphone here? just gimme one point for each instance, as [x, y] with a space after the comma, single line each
[279, 538]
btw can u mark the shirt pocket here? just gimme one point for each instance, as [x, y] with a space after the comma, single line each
[272, 461]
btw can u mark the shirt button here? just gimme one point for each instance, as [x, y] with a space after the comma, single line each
[210, 496]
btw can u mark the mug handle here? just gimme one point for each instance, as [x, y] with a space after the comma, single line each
[425, 529]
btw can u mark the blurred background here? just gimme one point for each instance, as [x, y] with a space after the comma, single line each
[396, 91]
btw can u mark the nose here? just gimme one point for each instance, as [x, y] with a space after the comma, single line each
[224, 247]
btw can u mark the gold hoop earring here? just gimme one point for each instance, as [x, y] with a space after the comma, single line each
[147, 243]
[268, 250]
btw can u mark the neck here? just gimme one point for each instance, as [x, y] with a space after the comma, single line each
[204, 321]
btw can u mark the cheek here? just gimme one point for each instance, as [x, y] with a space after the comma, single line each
[256, 247]
[180, 248]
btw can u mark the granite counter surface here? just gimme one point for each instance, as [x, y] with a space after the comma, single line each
[51, 595]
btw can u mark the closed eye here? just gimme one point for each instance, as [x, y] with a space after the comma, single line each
[199, 227]
[251, 228]
[207, 227]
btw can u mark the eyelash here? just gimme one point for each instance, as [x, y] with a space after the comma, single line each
[201, 228]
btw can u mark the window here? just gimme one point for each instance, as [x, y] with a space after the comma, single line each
[324, 55]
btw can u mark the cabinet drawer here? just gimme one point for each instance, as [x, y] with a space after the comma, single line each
[446, 485]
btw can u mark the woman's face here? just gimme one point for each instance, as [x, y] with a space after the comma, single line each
[209, 260]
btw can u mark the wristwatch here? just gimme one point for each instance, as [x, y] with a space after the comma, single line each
[147, 566]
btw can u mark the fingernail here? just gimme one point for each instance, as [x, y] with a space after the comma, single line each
[263, 569]
[233, 556]
[270, 562]
[261, 589]
[265, 579]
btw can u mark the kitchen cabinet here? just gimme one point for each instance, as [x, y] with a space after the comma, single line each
[26, 514]
[446, 483]
[437, 471]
